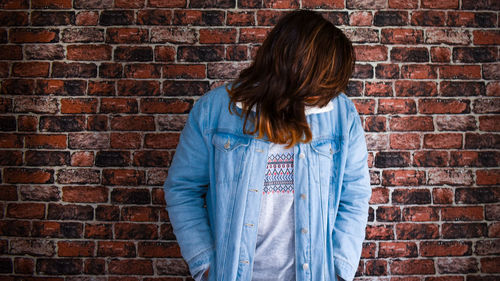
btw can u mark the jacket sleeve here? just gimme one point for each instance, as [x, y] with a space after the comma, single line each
[351, 220]
[184, 189]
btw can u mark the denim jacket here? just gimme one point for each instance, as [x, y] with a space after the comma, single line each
[214, 187]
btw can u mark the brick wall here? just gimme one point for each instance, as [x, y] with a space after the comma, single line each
[94, 94]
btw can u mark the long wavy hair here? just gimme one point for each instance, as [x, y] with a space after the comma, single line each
[305, 60]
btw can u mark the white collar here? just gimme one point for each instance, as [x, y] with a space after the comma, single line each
[308, 109]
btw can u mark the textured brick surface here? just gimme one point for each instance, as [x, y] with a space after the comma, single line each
[94, 94]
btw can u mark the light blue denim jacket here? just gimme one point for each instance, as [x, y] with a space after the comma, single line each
[216, 160]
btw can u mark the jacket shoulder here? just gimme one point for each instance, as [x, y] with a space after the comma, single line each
[347, 104]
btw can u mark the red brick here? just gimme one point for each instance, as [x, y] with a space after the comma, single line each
[440, 176]
[33, 247]
[379, 232]
[445, 4]
[149, 105]
[415, 231]
[404, 141]
[420, 213]
[403, 177]
[396, 106]
[493, 89]
[378, 89]
[87, 18]
[470, 213]
[442, 195]
[125, 140]
[370, 53]
[443, 106]
[94, 266]
[46, 4]
[82, 159]
[11, 52]
[28, 175]
[84, 105]
[240, 18]
[161, 140]
[74, 69]
[412, 266]
[134, 4]
[138, 88]
[27, 123]
[89, 140]
[158, 249]
[445, 248]
[361, 4]
[397, 249]
[401, 36]
[440, 54]
[188, 71]
[24, 265]
[107, 213]
[89, 52]
[131, 267]
[403, 4]
[136, 231]
[98, 231]
[173, 35]
[418, 71]
[142, 71]
[338, 4]
[167, 3]
[57, 229]
[361, 18]
[152, 158]
[253, 35]
[33, 35]
[443, 140]
[411, 123]
[217, 36]
[11, 141]
[26, 210]
[486, 37]
[123, 177]
[124, 35]
[460, 72]
[75, 248]
[86, 194]
[14, 4]
[36, 105]
[491, 71]
[430, 158]
[116, 249]
[102, 88]
[61, 87]
[488, 177]
[133, 123]
[489, 123]
[30, 69]
[118, 105]
[164, 53]
[471, 19]
[490, 264]
[78, 176]
[428, 18]
[139, 213]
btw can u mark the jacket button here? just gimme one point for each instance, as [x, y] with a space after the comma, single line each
[302, 155]
[304, 230]
[303, 196]
[305, 266]
[226, 146]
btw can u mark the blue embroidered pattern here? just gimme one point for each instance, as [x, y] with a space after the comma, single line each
[279, 173]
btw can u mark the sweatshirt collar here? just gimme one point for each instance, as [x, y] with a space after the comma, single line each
[308, 109]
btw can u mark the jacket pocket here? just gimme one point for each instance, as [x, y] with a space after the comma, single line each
[229, 155]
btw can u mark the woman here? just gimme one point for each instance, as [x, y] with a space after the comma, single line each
[270, 178]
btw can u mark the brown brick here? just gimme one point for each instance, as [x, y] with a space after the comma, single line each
[412, 231]
[443, 140]
[396, 106]
[136, 231]
[138, 88]
[46, 4]
[130, 267]
[85, 105]
[86, 18]
[488, 177]
[56, 266]
[116, 249]
[158, 250]
[61, 87]
[370, 53]
[379, 232]
[75, 248]
[142, 71]
[360, 4]
[418, 71]
[428, 18]
[397, 249]
[411, 123]
[88, 52]
[28, 175]
[74, 69]
[253, 35]
[33, 35]
[240, 18]
[24, 266]
[30, 69]
[430, 158]
[420, 213]
[87, 194]
[440, 54]
[462, 213]
[161, 140]
[26, 210]
[98, 231]
[123, 177]
[403, 177]
[442, 195]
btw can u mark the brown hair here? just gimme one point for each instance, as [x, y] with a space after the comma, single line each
[304, 60]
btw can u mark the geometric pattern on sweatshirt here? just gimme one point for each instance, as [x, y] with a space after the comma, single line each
[279, 174]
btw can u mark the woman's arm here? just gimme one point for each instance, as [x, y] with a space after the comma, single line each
[185, 187]
[350, 223]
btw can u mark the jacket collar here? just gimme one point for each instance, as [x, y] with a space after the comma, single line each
[308, 109]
